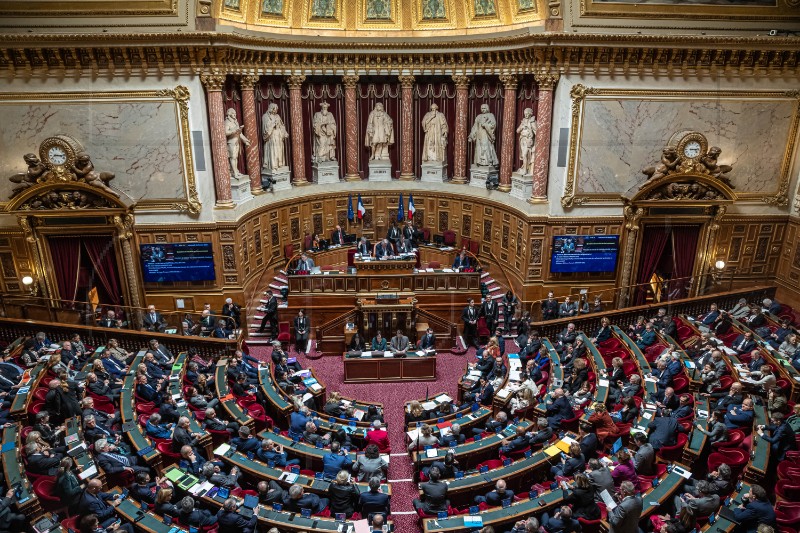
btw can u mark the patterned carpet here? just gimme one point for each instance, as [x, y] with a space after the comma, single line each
[393, 397]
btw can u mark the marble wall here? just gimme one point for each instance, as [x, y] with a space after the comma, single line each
[620, 136]
[139, 141]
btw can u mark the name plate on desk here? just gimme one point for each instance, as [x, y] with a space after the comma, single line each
[389, 297]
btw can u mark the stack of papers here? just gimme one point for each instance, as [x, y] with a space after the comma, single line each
[443, 398]
[503, 393]
[608, 500]
[431, 453]
[429, 406]
[222, 449]
[289, 477]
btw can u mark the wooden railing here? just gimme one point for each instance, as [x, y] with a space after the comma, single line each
[132, 341]
[330, 335]
[445, 331]
[688, 306]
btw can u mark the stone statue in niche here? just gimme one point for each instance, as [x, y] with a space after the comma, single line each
[380, 133]
[433, 9]
[434, 124]
[275, 135]
[526, 134]
[323, 9]
[85, 172]
[483, 135]
[378, 10]
[272, 7]
[235, 138]
[484, 8]
[324, 135]
[30, 177]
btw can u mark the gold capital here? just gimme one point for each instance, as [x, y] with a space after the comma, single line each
[249, 81]
[510, 81]
[350, 82]
[546, 80]
[213, 82]
[406, 81]
[461, 81]
[295, 82]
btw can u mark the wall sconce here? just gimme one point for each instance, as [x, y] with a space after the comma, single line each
[719, 269]
[30, 283]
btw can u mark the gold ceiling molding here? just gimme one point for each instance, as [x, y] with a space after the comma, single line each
[401, 17]
[579, 93]
[780, 10]
[35, 14]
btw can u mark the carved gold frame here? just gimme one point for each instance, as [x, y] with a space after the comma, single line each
[179, 96]
[580, 93]
[782, 10]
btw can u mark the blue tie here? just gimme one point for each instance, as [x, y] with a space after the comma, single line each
[119, 458]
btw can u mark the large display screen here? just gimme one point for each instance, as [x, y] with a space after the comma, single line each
[181, 261]
[584, 253]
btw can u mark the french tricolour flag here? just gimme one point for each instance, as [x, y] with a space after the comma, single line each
[360, 209]
[411, 208]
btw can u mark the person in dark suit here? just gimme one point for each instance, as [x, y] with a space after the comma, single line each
[146, 391]
[189, 516]
[625, 516]
[434, 494]
[604, 333]
[581, 497]
[181, 436]
[357, 343]
[461, 261]
[301, 328]
[230, 521]
[469, 316]
[561, 521]
[519, 442]
[374, 501]
[588, 440]
[428, 341]
[663, 431]
[754, 511]
[394, 234]
[245, 442]
[153, 321]
[647, 337]
[740, 416]
[781, 437]
[559, 408]
[486, 393]
[744, 343]
[669, 327]
[42, 462]
[383, 249]
[337, 237]
[59, 403]
[712, 315]
[296, 500]
[364, 247]
[495, 498]
[110, 320]
[575, 462]
[101, 504]
[144, 490]
[270, 310]
[490, 312]
[724, 400]
[232, 311]
[549, 307]
[404, 246]
[114, 461]
[410, 232]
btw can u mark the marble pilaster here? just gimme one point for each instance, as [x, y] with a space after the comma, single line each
[252, 153]
[544, 118]
[219, 146]
[406, 128]
[351, 128]
[461, 131]
[296, 129]
[509, 115]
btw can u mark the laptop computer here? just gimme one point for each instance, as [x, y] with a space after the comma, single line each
[617, 446]
[727, 514]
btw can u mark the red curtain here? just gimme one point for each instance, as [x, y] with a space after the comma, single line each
[684, 250]
[654, 240]
[101, 252]
[66, 254]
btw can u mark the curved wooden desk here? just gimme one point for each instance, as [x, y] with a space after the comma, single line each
[371, 369]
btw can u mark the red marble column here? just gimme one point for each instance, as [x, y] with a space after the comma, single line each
[252, 152]
[351, 127]
[219, 145]
[509, 116]
[296, 130]
[544, 118]
[406, 128]
[460, 135]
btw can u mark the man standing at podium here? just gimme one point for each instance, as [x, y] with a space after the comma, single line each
[305, 264]
[470, 318]
[383, 249]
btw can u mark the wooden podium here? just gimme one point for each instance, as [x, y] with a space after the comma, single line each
[380, 368]
[385, 267]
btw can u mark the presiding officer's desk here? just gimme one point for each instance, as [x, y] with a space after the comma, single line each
[378, 367]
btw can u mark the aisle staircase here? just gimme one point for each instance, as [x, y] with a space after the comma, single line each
[280, 281]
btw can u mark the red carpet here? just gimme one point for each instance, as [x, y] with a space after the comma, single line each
[393, 396]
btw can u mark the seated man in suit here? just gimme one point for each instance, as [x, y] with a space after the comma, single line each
[230, 521]
[755, 510]
[114, 461]
[561, 521]
[495, 498]
[364, 248]
[453, 436]
[100, 504]
[663, 431]
[337, 237]
[644, 460]
[782, 437]
[399, 344]
[434, 494]
[110, 320]
[559, 408]
[519, 442]
[704, 503]
[245, 442]
[428, 341]
[383, 249]
[42, 462]
[647, 337]
[461, 261]
[404, 246]
[192, 517]
[153, 321]
[712, 315]
[543, 433]
[296, 500]
[374, 501]
[305, 263]
[156, 429]
[271, 452]
[740, 416]
[744, 343]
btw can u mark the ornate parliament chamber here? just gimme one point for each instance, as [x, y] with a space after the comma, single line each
[400, 265]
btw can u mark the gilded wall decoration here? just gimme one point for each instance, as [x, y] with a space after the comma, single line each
[272, 7]
[666, 11]
[275, 234]
[735, 250]
[487, 231]
[232, 4]
[295, 228]
[762, 245]
[443, 218]
[257, 241]
[378, 10]
[228, 257]
[433, 9]
[737, 122]
[323, 9]
[536, 251]
[7, 263]
[527, 5]
[466, 224]
[484, 8]
[504, 240]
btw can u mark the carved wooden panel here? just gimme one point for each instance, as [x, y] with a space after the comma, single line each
[275, 234]
[504, 240]
[466, 224]
[295, 228]
[257, 241]
[318, 223]
[487, 232]
[444, 218]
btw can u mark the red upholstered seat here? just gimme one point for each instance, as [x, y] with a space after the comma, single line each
[307, 242]
[736, 458]
[680, 383]
[283, 332]
[735, 438]
[673, 453]
[45, 490]
[474, 247]
[288, 251]
[326, 267]
[145, 408]
[788, 489]
[70, 523]
[483, 331]
[788, 470]
[169, 457]
[426, 234]
[449, 237]
[434, 264]
[41, 393]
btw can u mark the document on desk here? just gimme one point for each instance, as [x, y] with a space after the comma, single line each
[388, 354]
[89, 472]
[431, 453]
[602, 383]
[429, 406]
[443, 398]
[362, 526]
